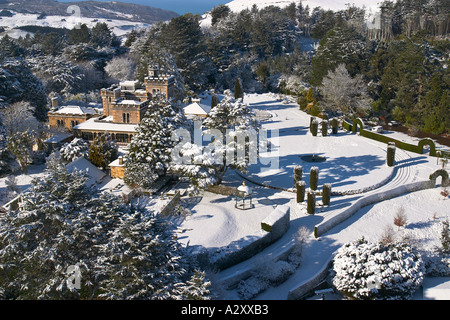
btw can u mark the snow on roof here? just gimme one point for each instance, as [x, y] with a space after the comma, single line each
[134, 102]
[94, 124]
[58, 138]
[82, 164]
[76, 110]
[197, 108]
[129, 83]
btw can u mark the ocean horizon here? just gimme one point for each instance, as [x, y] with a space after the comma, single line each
[179, 6]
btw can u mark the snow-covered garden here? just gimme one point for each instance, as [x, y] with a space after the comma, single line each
[293, 264]
[354, 164]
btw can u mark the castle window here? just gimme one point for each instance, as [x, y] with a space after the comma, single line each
[125, 117]
[60, 123]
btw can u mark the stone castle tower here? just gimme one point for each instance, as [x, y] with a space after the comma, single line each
[128, 101]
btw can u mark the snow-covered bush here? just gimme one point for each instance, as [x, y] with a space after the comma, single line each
[364, 270]
[75, 149]
[437, 264]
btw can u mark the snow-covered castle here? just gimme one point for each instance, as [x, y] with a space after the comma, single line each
[124, 105]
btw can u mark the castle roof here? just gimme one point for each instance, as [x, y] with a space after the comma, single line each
[196, 108]
[75, 110]
[94, 124]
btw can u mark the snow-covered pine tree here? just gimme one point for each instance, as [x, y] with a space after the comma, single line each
[75, 149]
[364, 270]
[121, 251]
[150, 149]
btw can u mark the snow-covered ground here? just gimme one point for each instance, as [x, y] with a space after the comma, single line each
[119, 27]
[353, 162]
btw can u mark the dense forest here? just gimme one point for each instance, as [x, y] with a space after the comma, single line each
[394, 64]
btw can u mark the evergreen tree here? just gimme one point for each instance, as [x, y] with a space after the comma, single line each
[103, 150]
[238, 93]
[75, 149]
[102, 36]
[118, 251]
[150, 149]
[80, 34]
[21, 145]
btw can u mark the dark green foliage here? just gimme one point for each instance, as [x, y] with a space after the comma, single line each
[326, 194]
[314, 178]
[218, 13]
[391, 155]
[314, 127]
[340, 45]
[334, 125]
[238, 93]
[79, 35]
[298, 173]
[311, 202]
[102, 36]
[324, 128]
[300, 191]
[103, 151]
[21, 145]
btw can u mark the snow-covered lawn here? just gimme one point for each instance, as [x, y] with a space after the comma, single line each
[23, 181]
[352, 162]
[425, 210]
[119, 27]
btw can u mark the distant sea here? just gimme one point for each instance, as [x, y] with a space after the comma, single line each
[179, 6]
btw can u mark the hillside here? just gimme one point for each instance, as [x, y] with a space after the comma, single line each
[90, 9]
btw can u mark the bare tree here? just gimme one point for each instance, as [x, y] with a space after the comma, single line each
[121, 68]
[18, 117]
[343, 93]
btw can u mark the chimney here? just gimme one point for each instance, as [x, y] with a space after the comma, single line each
[55, 102]
[120, 161]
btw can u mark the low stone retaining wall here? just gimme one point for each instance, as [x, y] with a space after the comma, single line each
[272, 228]
[371, 199]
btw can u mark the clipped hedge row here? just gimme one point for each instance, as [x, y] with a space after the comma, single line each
[399, 144]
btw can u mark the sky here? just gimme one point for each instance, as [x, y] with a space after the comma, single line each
[179, 6]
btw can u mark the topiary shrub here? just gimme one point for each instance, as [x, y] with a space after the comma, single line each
[311, 202]
[391, 155]
[364, 270]
[298, 174]
[314, 127]
[314, 178]
[334, 125]
[326, 194]
[301, 188]
[324, 128]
